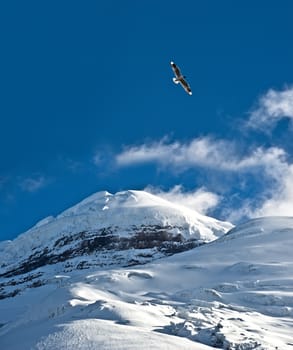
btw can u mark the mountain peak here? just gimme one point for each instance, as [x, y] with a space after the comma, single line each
[123, 199]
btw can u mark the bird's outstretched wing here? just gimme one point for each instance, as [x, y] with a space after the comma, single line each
[185, 86]
[176, 70]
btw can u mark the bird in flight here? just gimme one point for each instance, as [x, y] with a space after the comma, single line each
[179, 78]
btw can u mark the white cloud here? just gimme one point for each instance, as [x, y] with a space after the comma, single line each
[200, 200]
[200, 152]
[235, 215]
[275, 199]
[273, 106]
[269, 167]
[280, 200]
[146, 153]
[33, 184]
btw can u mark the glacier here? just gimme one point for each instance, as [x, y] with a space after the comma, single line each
[232, 288]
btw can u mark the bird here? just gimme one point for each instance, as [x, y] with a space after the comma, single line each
[179, 78]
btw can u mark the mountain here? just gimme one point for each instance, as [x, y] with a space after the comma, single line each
[128, 228]
[229, 291]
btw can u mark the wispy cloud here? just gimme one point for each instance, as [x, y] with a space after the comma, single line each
[200, 152]
[275, 197]
[266, 170]
[280, 198]
[33, 184]
[273, 106]
[200, 200]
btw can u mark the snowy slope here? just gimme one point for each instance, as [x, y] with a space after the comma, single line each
[233, 293]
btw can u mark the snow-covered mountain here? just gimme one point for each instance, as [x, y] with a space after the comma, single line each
[234, 292]
[127, 228]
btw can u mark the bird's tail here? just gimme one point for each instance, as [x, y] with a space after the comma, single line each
[176, 81]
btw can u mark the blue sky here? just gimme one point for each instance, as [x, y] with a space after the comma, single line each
[88, 104]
